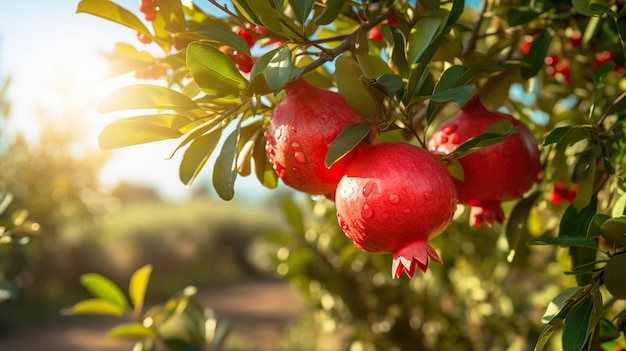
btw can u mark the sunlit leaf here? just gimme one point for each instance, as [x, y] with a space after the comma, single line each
[565, 241]
[545, 336]
[262, 168]
[196, 156]
[615, 276]
[102, 287]
[459, 95]
[214, 72]
[243, 7]
[145, 96]
[614, 230]
[137, 287]
[279, 68]
[350, 87]
[373, 66]
[222, 35]
[134, 131]
[267, 14]
[225, 169]
[95, 306]
[422, 35]
[131, 330]
[302, 8]
[556, 134]
[555, 306]
[113, 12]
[516, 225]
[345, 141]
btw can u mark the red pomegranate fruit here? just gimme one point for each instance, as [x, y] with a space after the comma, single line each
[500, 172]
[393, 198]
[299, 134]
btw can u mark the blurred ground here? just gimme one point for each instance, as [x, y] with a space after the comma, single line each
[257, 311]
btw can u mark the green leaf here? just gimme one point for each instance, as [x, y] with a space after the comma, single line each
[608, 330]
[113, 12]
[615, 276]
[521, 15]
[595, 230]
[565, 241]
[225, 169]
[536, 55]
[555, 306]
[557, 134]
[196, 156]
[221, 35]
[262, 168]
[516, 226]
[345, 141]
[145, 96]
[577, 326]
[585, 172]
[94, 306]
[495, 133]
[102, 287]
[137, 287]
[545, 336]
[332, 10]
[293, 214]
[131, 330]
[268, 16]
[214, 72]
[133, 131]
[279, 68]
[614, 230]
[243, 7]
[598, 85]
[576, 224]
[350, 87]
[392, 83]
[421, 37]
[373, 66]
[302, 8]
[459, 95]
[599, 8]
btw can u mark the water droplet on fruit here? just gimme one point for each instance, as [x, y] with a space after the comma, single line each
[368, 188]
[278, 133]
[450, 129]
[359, 224]
[280, 170]
[394, 198]
[344, 226]
[367, 211]
[295, 145]
[406, 210]
[300, 158]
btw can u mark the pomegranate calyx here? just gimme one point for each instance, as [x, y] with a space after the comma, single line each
[411, 257]
[487, 213]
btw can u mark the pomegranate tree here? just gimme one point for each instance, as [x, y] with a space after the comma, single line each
[300, 132]
[393, 198]
[500, 172]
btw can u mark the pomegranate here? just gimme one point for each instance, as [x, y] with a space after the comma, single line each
[299, 133]
[393, 198]
[500, 172]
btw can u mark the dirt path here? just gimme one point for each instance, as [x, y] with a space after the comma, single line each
[256, 310]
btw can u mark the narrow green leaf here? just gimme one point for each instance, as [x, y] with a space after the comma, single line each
[102, 287]
[293, 214]
[196, 156]
[585, 172]
[556, 134]
[459, 95]
[302, 8]
[521, 15]
[599, 8]
[268, 16]
[577, 326]
[130, 131]
[222, 35]
[262, 168]
[94, 306]
[113, 12]
[536, 55]
[422, 35]
[373, 66]
[558, 302]
[145, 96]
[565, 241]
[595, 230]
[492, 135]
[137, 287]
[332, 10]
[225, 169]
[345, 141]
[392, 83]
[132, 331]
[5, 200]
[214, 72]
[243, 7]
[545, 336]
[516, 225]
[598, 85]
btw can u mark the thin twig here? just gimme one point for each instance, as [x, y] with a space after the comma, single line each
[471, 44]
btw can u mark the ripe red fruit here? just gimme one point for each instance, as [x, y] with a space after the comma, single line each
[375, 34]
[500, 172]
[299, 133]
[247, 36]
[393, 198]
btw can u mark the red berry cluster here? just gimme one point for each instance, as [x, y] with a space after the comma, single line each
[148, 8]
[151, 72]
[243, 62]
[562, 192]
[558, 68]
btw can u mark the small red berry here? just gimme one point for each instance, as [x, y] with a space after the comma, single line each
[525, 47]
[375, 34]
[143, 38]
[576, 38]
[247, 36]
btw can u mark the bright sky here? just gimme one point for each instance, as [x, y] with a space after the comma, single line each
[53, 53]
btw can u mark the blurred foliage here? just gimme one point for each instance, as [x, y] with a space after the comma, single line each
[180, 324]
